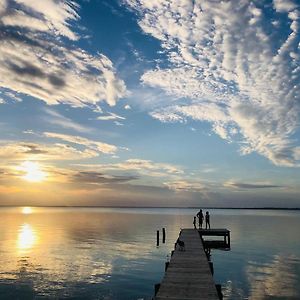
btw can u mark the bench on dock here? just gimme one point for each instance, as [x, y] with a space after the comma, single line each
[216, 244]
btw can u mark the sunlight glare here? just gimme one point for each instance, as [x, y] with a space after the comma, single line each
[26, 238]
[33, 172]
[26, 210]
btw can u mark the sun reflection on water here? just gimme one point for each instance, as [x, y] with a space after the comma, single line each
[27, 238]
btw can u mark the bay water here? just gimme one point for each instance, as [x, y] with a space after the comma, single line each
[111, 253]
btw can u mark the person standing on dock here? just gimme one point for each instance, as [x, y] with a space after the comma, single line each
[207, 220]
[200, 218]
[194, 223]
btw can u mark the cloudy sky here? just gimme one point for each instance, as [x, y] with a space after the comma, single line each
[150, 103]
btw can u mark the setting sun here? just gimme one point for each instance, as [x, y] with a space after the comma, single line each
[26, 210]
[33, 172]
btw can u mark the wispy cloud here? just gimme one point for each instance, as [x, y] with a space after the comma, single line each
[11, 95]
[36, 61]
[184, 185]
[56, 118]
[110, 116]
[141, 166]
[96, 178]
[234, 65]
[91, 144]
[35, 151]
[246, 186]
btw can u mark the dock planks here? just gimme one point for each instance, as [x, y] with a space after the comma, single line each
[188, 276]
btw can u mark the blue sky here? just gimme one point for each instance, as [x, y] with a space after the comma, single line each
[146, 103]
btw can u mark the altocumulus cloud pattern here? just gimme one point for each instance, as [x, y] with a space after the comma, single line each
[234, 64]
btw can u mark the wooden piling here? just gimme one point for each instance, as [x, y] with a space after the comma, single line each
[164, 235]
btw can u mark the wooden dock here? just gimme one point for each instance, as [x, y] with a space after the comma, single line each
[188, 276]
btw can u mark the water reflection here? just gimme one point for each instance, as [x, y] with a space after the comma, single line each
[27, 238]
[110, 254]
[277, 278]
[62, 253]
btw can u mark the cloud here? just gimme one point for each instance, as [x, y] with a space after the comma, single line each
[141, 166]
[10, 95]
[118, 123]
[208, 169]
[47, 15]
[240, 185]
[36, 151]
[233, 65]
[110, 116]
[91, 144]
[84, 177]
[36, 61]
[183, 185]
[208, 112]
[56, 118]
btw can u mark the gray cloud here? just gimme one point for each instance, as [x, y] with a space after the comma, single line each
[56, 80]
[33, 149]
[100, 178]
[241, 185]
[25, 69]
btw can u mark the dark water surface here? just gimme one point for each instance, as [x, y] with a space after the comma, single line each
[97, 253]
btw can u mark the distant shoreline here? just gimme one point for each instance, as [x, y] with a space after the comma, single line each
[160, 207]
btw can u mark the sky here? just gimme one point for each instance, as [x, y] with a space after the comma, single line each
[150, 103]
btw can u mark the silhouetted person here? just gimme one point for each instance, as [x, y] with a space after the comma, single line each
[207, 220]
[194, 222]
[200, 218]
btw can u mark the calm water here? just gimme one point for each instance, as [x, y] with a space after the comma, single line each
[93, 253]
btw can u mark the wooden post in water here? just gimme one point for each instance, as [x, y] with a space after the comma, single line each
[164, 235]
[219, 290]
[166, 265]
[157, 238]
[211, 266]
[156, 288]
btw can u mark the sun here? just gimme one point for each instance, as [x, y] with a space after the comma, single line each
[26, 210]
[33, 172]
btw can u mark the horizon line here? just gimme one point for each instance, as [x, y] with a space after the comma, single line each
[163, 207]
